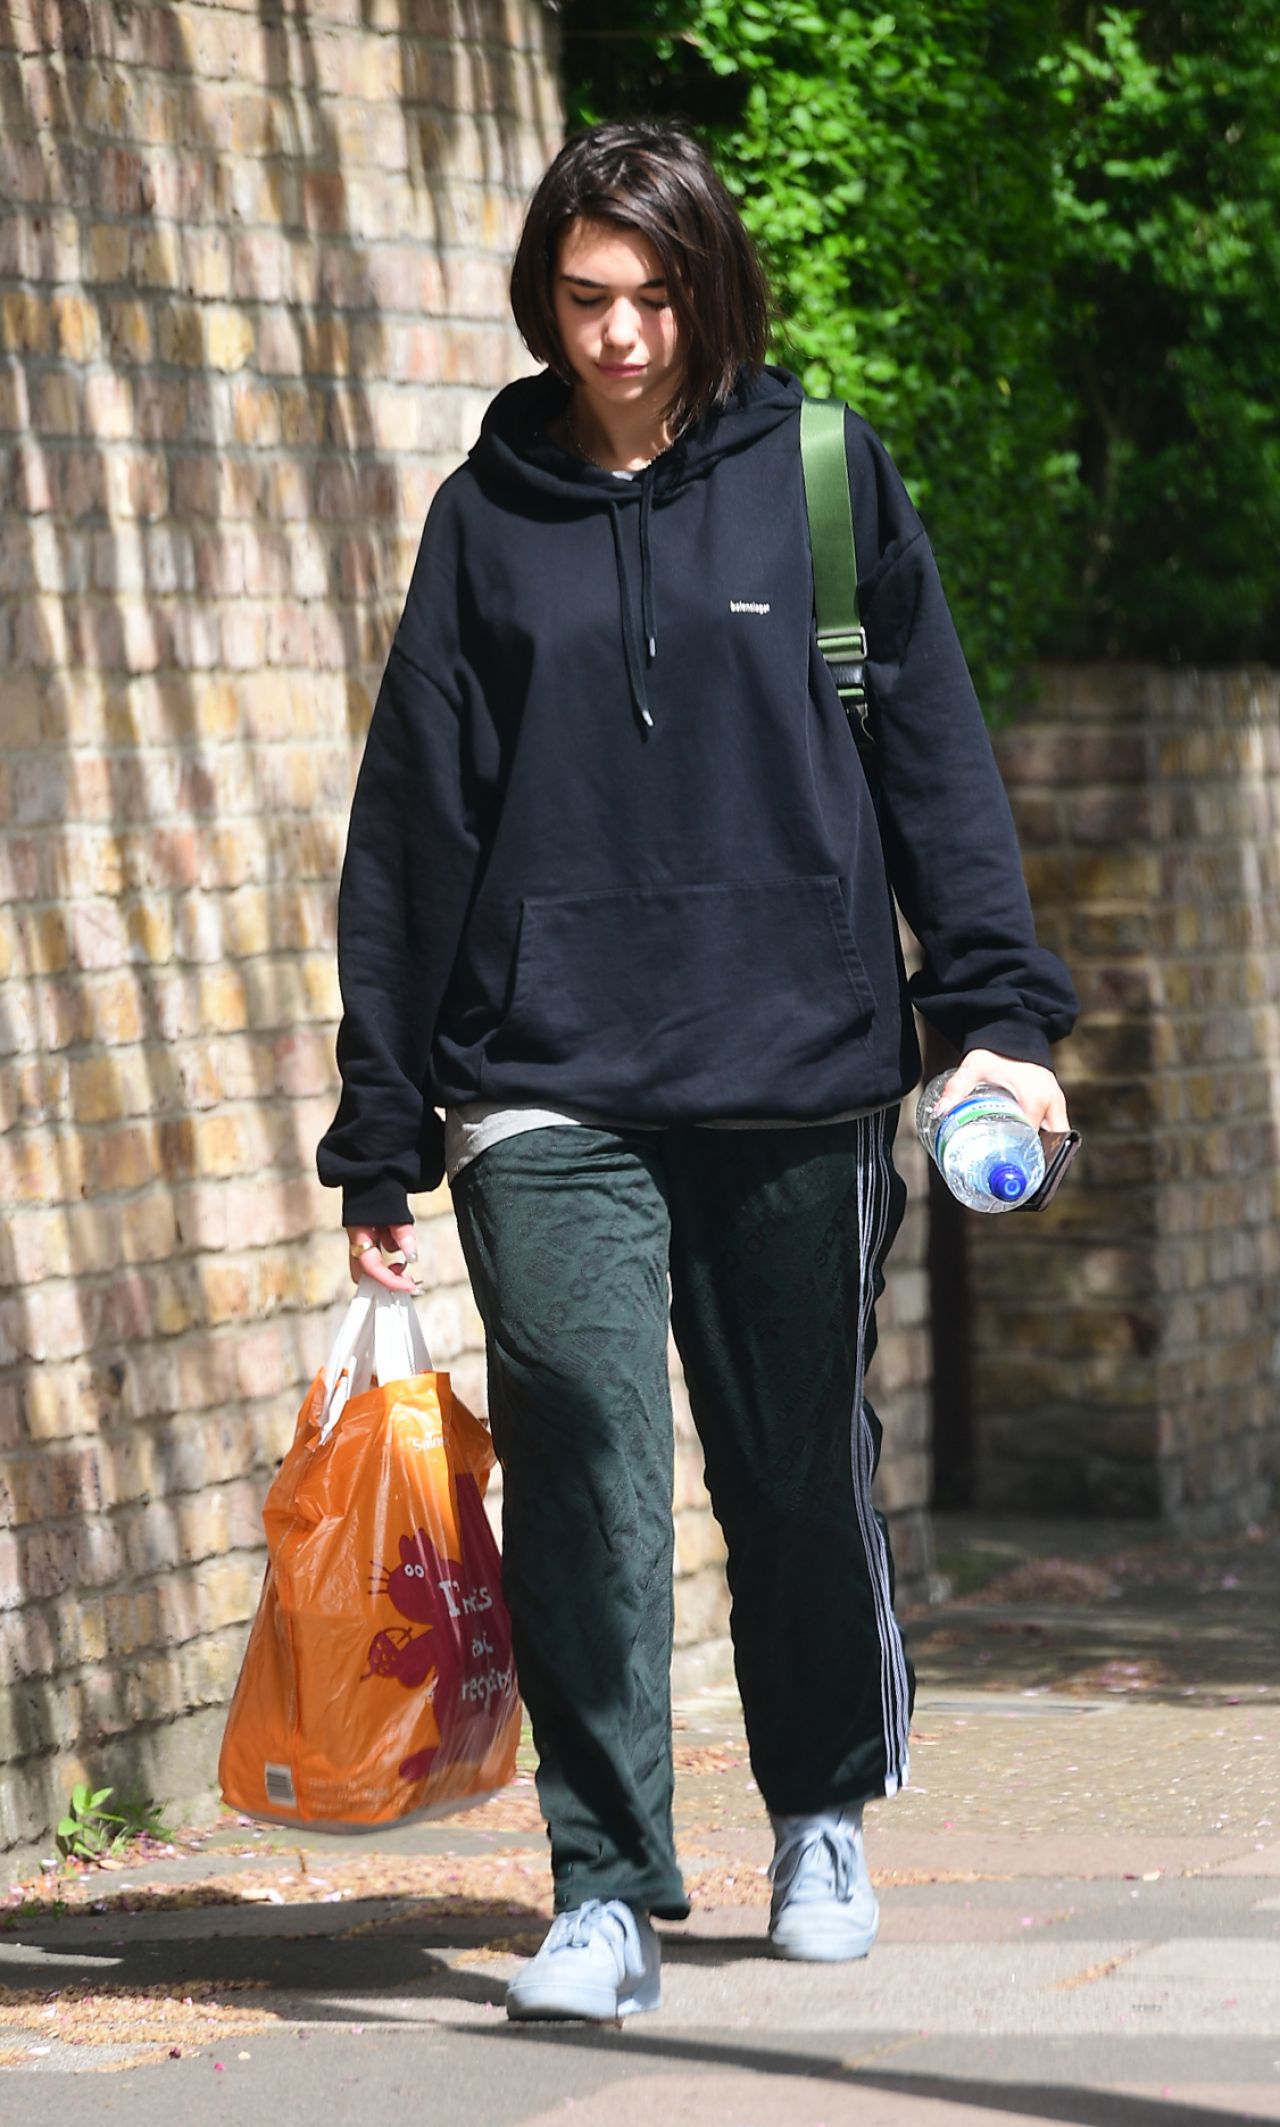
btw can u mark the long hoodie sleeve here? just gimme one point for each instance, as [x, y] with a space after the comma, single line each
[407, 878]
[950, 842]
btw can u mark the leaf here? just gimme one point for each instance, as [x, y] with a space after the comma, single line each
[1038, 249]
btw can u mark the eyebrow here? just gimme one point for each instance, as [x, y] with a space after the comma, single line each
[580, 280]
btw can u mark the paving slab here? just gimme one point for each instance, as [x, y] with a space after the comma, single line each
[1081, 1918]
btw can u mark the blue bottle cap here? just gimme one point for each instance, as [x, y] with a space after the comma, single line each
[1007, 1181]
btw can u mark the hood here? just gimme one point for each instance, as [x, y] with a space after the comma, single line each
[515, 452]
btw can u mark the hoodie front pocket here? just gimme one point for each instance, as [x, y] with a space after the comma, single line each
[710, 998]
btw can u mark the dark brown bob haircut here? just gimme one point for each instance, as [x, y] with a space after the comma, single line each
[656, 180]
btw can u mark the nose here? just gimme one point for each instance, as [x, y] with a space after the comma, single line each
[621, 325]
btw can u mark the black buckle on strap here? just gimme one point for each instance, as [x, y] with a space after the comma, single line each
[845, 653]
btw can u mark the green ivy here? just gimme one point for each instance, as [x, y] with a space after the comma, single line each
[1037, 247]
[1167, 333]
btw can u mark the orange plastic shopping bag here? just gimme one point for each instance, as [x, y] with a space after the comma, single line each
[378, 1682]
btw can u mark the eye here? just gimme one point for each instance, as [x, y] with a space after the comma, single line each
[591, 302]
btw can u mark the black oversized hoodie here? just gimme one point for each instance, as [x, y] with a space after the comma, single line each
[612, 847]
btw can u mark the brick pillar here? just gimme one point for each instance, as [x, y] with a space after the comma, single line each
[1126, 1357]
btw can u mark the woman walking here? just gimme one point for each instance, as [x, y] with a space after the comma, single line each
[617, 900]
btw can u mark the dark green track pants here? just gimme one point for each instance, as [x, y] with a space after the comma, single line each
[773, 1241]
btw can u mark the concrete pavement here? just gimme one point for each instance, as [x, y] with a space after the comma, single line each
[1080, 1893]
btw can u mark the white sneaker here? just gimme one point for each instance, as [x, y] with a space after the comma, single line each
[824, 1908]
[598, 1961]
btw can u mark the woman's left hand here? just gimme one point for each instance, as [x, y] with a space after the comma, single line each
[1033, 1086]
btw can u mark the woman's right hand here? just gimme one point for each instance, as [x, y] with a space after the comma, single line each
[366, 1246]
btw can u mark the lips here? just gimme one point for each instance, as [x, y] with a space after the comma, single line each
[621, 369]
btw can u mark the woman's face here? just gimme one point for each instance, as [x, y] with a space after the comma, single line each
[616, 325]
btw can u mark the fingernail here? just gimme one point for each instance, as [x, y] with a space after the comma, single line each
[411, 1250]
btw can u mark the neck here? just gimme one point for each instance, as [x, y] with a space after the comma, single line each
[623, 438]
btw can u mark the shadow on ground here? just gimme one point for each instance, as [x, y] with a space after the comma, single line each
[1039, 2101]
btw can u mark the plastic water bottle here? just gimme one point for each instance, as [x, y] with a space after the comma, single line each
[986, 1151]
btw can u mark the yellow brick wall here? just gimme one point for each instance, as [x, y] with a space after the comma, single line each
[252, 307]
[1125, 1349]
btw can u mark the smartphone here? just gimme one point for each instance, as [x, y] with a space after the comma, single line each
[1060, 1148]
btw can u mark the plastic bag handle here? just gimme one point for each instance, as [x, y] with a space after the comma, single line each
[379, 1336]
[399, 1346]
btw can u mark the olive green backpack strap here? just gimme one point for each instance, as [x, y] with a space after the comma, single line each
[841, 637]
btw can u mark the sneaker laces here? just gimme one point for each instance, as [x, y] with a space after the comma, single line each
[575, 1929]
[816, 1862]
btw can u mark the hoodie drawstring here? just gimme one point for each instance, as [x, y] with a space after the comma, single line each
[631, 647]
[646, 565]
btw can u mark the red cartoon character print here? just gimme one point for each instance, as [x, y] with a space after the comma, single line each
[462, 1656]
